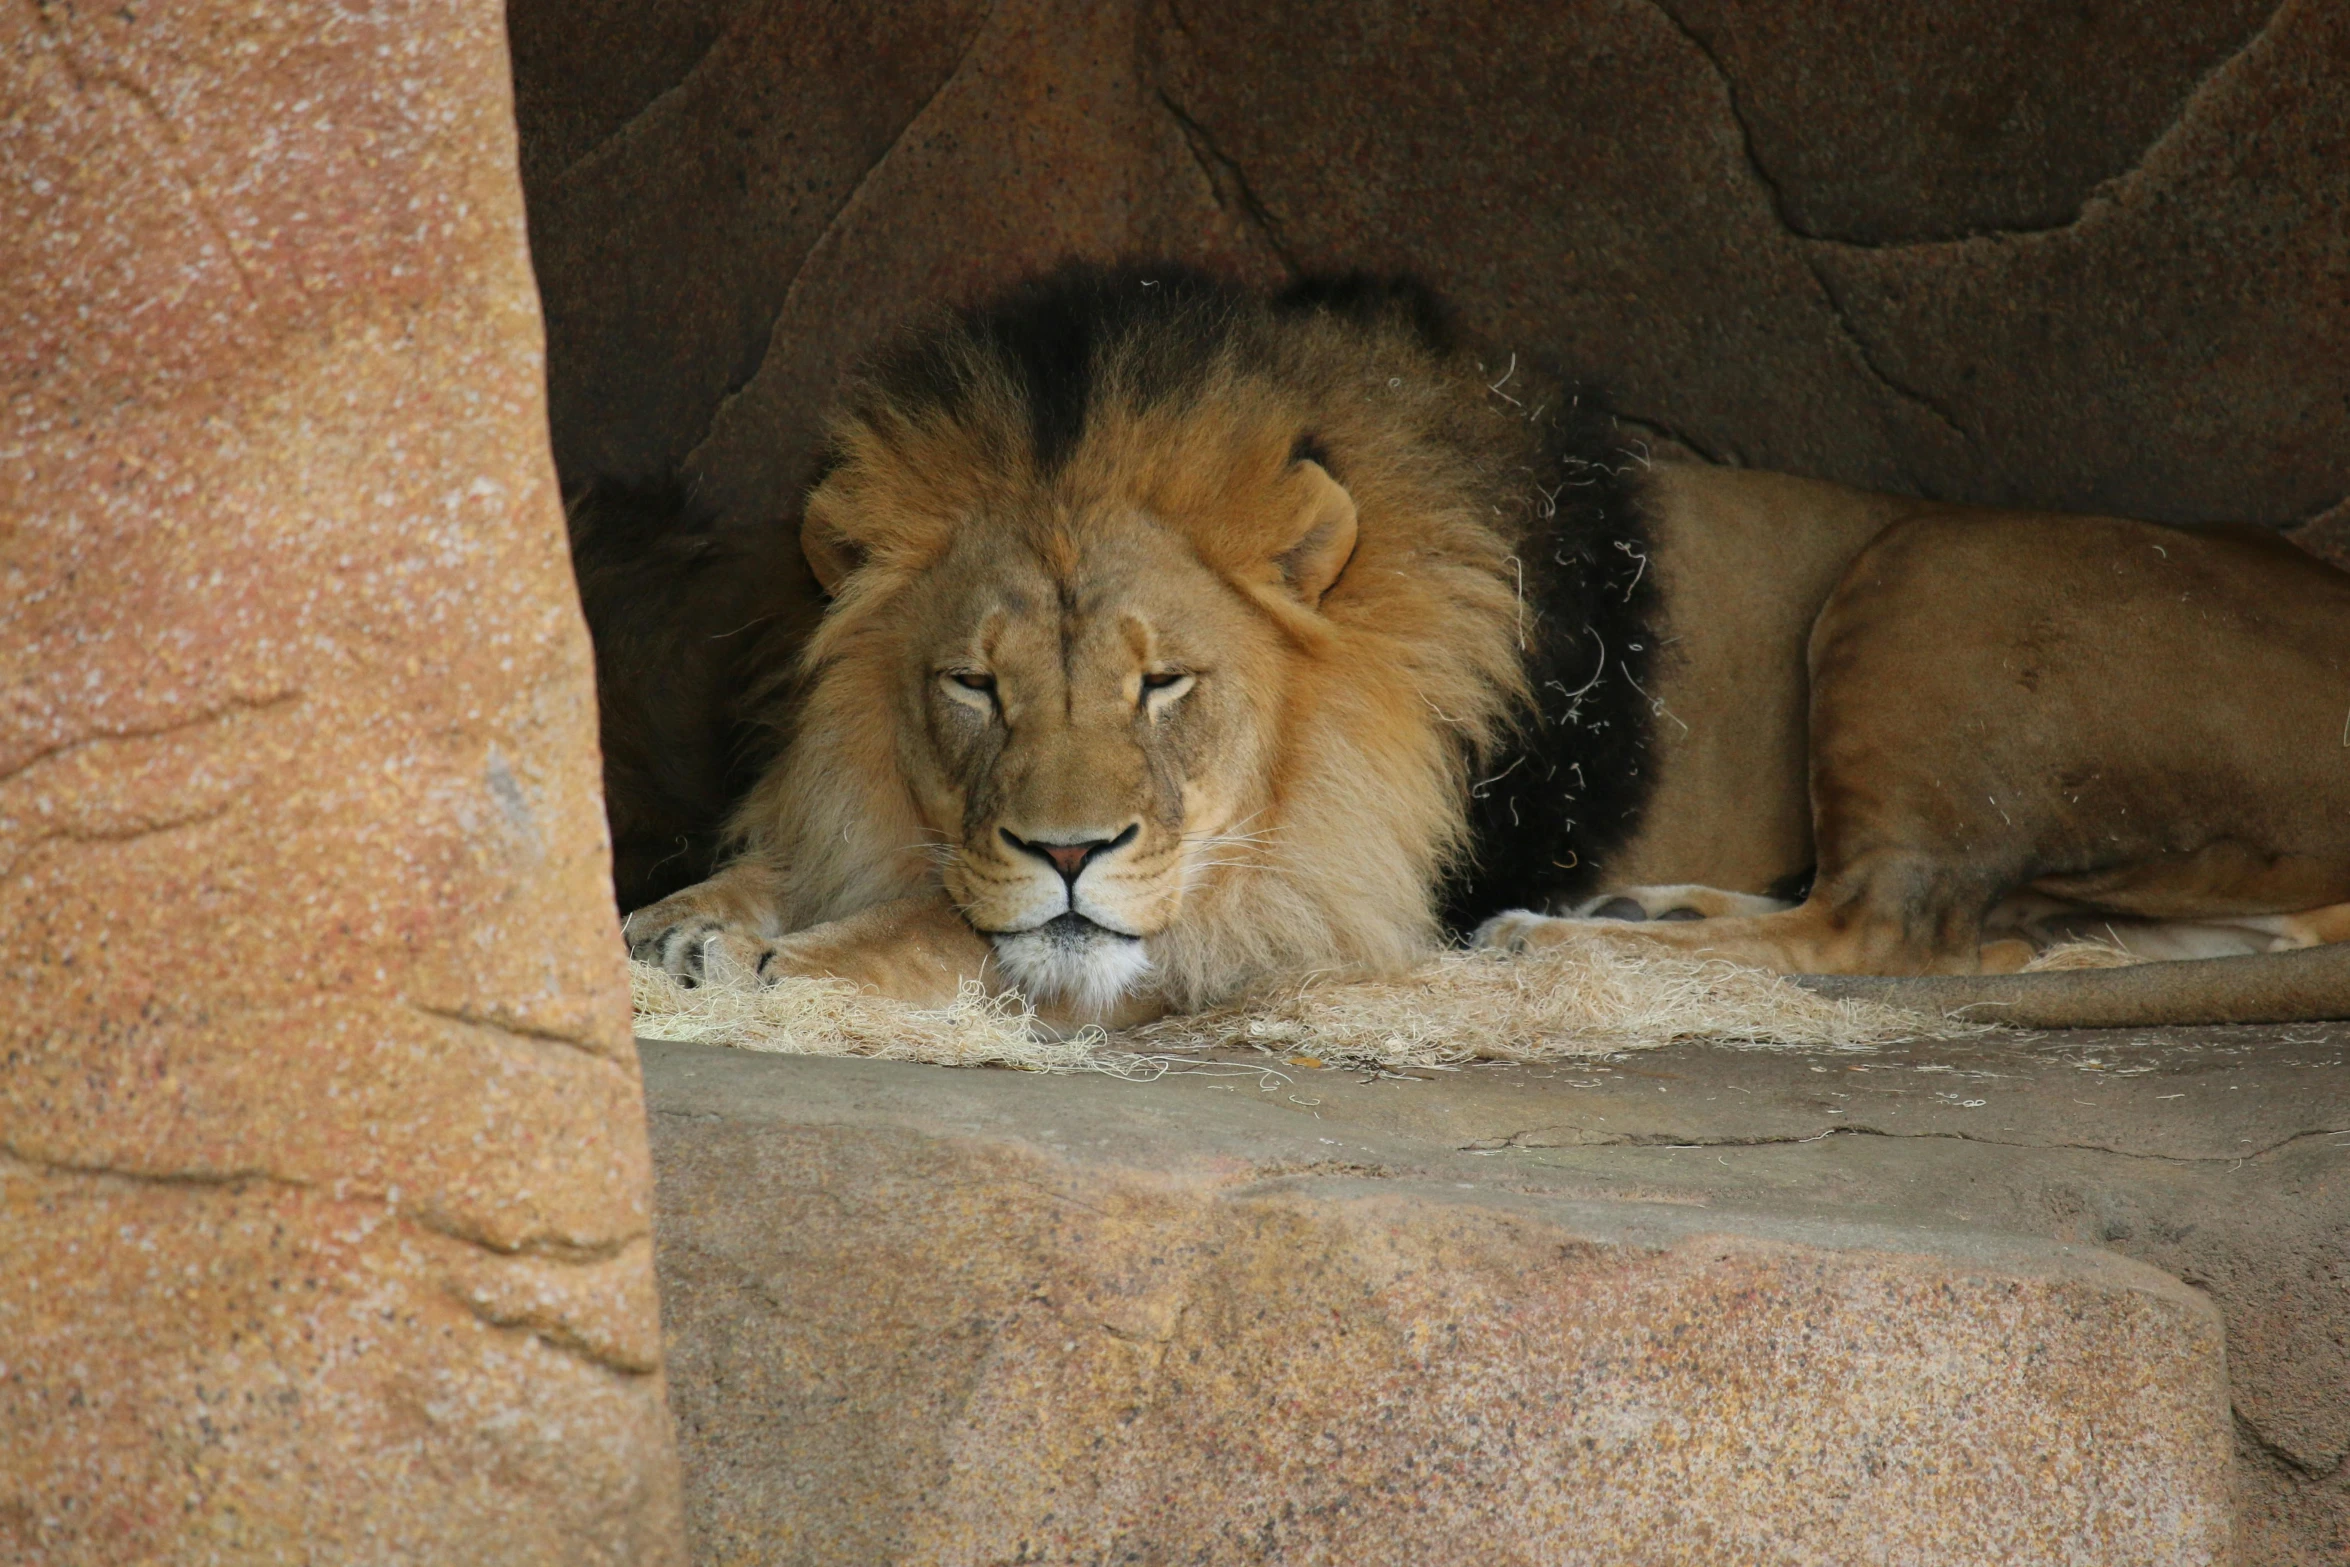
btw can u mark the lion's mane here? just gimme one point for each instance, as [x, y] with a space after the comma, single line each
[1415, 677]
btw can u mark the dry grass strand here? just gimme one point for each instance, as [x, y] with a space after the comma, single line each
[1573, 1001]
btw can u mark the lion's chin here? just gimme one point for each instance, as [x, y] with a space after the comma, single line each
[1074, 962]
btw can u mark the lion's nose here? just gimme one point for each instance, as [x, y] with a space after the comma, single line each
[1070, 859]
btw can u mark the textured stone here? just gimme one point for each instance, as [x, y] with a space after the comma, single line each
[2220, 1156]
[964, 1317]
[690, 156]
[816, 177]
[2092, 258]
[819, 172]
[2175, 352]
[322, 1183]
[1880, 124]
[1046, 142]
[1584, 179]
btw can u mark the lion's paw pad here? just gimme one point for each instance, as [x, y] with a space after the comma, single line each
[1522, 930]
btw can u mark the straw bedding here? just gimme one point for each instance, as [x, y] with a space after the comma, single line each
[1587, 999]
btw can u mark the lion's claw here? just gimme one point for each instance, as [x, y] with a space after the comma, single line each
[693, 947]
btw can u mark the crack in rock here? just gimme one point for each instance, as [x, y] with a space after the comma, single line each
[1868, 357]
[235, 707]
[492, 1297]
[1348, 1169]
[1229, 184]
[2108, 192]
[829, 235]
[543, 1246]
[559, 1334]
[1516, 1142]
[86, 81]
[564, 1310]
[1754, 163]
[618, 132]
[500, 1022]
[1656, 429]
[21, 1163]
[93, 836]
[1775, 198]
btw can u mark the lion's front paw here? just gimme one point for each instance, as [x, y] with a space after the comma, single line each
[1523, 930]
[694, 946]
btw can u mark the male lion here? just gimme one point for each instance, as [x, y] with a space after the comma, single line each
[1179, 639]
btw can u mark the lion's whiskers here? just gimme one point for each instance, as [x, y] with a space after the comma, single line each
[935, 847]
[1228, 839]
[1235, 837]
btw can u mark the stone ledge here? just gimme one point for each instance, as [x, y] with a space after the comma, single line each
[916, 1315]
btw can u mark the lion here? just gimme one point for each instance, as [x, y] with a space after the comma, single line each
[1179, 639]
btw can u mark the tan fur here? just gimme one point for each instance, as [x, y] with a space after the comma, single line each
[2075, 727]
[1348, 648]
[1745, 561]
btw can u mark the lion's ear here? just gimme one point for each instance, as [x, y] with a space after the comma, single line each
[831, 553]
[1324, 538]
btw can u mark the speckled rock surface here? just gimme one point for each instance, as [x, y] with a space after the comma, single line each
[925, 1316]
[1992, 251]
[323, 1192]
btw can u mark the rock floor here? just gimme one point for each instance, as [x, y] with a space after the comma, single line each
[1912, 1303]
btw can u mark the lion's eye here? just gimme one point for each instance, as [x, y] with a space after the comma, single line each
[1161, 687]
[971, 687]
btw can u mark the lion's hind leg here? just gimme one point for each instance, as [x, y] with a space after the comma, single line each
[1890, 914]
[1807, 939]
[2139, 940]
[1681, 901]
[2313, 927]
[1810, 939]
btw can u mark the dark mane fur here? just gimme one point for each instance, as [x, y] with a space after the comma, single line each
[1549, 811]
[1056, 335]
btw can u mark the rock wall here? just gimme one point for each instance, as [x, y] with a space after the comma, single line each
[323, 1180]
[2089, 257]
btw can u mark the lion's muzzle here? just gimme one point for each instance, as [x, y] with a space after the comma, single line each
[1039, 876]
[1061, 913]
[1071, 860]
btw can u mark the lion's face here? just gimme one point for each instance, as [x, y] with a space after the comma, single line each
[1085, 725]
[1088, 711]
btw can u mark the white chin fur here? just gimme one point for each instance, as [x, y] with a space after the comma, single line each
[1079, 965]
